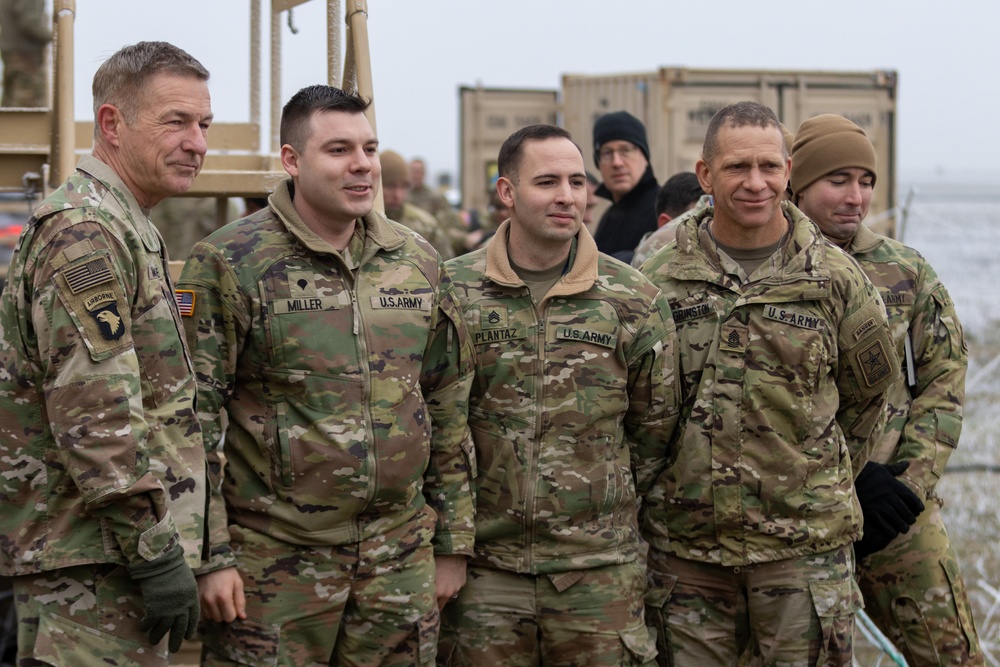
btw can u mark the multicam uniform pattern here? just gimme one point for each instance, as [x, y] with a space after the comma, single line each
[572, 401]
[101, 457]
[913, 589]
[426, 225]
[345, 381]
[783, 375]
[663, 236]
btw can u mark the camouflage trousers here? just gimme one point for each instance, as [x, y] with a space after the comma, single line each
[24, 80]
[364, 604]
[797, 611]
[85, 616]
[914, 593]
[583, 618]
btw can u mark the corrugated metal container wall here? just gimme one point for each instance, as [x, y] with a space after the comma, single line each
[676, 105]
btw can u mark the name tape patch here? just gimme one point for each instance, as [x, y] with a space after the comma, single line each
[796, 319]
[401, 302]
[495, 335]
[586, 336]
[691, 312]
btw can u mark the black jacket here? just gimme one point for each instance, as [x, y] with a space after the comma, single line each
[623, 225]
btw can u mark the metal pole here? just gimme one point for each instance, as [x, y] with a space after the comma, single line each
[357, 22]
[255, 63]
[275, 79]
[62, 151]
[333, 43]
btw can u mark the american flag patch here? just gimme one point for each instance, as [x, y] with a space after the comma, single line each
[185, 301]
[85, 276]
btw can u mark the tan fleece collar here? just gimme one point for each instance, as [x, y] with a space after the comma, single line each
[581, 276]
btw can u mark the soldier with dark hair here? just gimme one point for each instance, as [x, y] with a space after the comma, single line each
[574, 395]
[102, 468]
[328, 337]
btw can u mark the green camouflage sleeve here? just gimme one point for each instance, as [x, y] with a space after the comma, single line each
[446, 381]
[654, 398]
[215, 333]
[80, 311]
[940, 358]
[867, 368]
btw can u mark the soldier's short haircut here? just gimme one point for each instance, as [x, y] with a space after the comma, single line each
[122, 79]
[740, 114]
[678, 194]
[512, 150]
[298, 111]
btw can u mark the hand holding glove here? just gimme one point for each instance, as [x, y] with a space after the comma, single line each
[170, 594]
[889, 506]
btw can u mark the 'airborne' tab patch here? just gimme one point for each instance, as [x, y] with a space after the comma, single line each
[873, 363]
[87, 275]
[583, 335]
[796, 319]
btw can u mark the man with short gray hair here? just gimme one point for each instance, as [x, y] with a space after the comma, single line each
[102, 468]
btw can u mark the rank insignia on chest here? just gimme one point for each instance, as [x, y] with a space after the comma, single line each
[493, 317]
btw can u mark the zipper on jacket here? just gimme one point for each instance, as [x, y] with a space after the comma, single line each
[533, 454]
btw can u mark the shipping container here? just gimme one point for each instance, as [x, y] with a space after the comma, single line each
[677, 103]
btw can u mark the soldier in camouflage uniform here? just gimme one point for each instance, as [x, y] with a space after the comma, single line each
[910, 579]
[25, 32]
[434, 203]
[329, 339]
[102, 468]
[785, 359]
[573, 397]
[395, 188]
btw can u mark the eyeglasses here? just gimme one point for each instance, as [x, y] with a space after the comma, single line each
[624, 152]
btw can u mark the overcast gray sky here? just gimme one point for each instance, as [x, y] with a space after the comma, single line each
[946, 53]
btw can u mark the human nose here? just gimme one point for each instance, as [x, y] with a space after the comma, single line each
[755, 180]
[854, 194]
[196, 140]
[363, 161]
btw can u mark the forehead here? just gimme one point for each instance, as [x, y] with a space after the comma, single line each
[330, 126]
[556, 155]
[749, 141]
[166, 92]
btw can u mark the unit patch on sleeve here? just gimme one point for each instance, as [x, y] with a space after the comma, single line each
[873, 363]
[103, 307]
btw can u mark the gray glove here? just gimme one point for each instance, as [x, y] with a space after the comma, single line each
[170, 594]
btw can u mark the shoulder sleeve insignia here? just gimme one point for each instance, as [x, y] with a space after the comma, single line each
[873, 363]
[185, 301]
[109, 321]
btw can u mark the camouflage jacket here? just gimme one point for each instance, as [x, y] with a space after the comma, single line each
[425, 224]
[783, 380]
[925, 406]
[572, 401]
[101, 457]
[344, 378]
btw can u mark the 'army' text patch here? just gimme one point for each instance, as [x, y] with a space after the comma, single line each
[401, 302]
[788, 316]
[595, 337]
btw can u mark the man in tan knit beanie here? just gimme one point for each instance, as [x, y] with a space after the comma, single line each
[906, 567]
[395, 189]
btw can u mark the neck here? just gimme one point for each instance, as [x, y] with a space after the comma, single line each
[737, 236]
[534, 256]
[109, 156]
[337, 233]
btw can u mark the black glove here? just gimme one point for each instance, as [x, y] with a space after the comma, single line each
[888, 505]
[170, 594]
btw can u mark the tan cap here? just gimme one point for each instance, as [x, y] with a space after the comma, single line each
[826, 143]
[394, 168]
